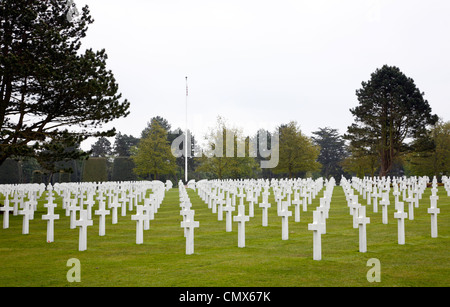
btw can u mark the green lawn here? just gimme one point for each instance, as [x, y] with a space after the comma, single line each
[115, 259]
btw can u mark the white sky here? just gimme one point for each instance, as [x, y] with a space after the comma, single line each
[262, 63]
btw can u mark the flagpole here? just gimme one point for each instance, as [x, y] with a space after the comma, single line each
[185, 141]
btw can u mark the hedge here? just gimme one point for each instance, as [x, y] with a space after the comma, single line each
[123, 169]
[95, 169]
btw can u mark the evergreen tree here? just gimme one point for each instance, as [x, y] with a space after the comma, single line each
[332, 152]
[47, 84]
[101, 148]
[123, 144]
[391, 109]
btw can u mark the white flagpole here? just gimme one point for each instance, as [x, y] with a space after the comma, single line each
[186, 142]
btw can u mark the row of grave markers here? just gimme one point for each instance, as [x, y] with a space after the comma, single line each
[220, 196]
[188, 223]
[411, 190]
[79, 197]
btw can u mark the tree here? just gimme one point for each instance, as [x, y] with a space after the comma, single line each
[101, 148]
[47, 85]
[332, 151]
[225, 153]
[123, 144]
[29, 165]
[360, 163]
[153, 155]
[161, 121]
[58, 155]
[262, 141]
[391, 110]
[296, 151]
[10, 172]
[434, 161]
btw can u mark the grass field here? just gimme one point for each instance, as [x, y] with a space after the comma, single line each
[115, 259]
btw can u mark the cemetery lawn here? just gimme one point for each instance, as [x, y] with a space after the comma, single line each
[116, 260]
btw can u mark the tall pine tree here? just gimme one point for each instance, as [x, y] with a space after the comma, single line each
[391, 110]
[47, 85]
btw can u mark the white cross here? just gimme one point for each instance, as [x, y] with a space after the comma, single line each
[65, 197]
[434, 191]
[110, 194]
[81, 198]
[218, 207]
[279, 201]
[83, 223]
[362, 220]
[297, 203]
[149, 211]
[27, 211]
[434, 211]
[209, 200]
[241, 197]
[6, 209]
[241, 218]
[396, 194]
[184, 212]
[102, 212]
[265, 205]
[73, 208]
[33, 202]
[90, 202]
[309, 192]
[354, 206]
[50, 217]
[123, 200]
[410, 201]
[323, 212]
[288, 192]
[285, 214]
[16, 200]
[384, 203]
[416, 196]
[324, 202]
[190, 224]
[139, 217]
[251, 207]
[369, 192]
[114, 205]
[229, 209]
[233, 199]
[316, 227]
[266, 192]
[375, 199]
[130, 200]
[50, 193]
[401, 215]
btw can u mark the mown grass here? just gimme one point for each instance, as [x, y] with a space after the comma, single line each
[115, 259]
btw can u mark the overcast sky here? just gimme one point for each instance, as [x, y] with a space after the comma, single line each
[261, 63]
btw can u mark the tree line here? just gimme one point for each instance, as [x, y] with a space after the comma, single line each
[386, 139]
[53, 96]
